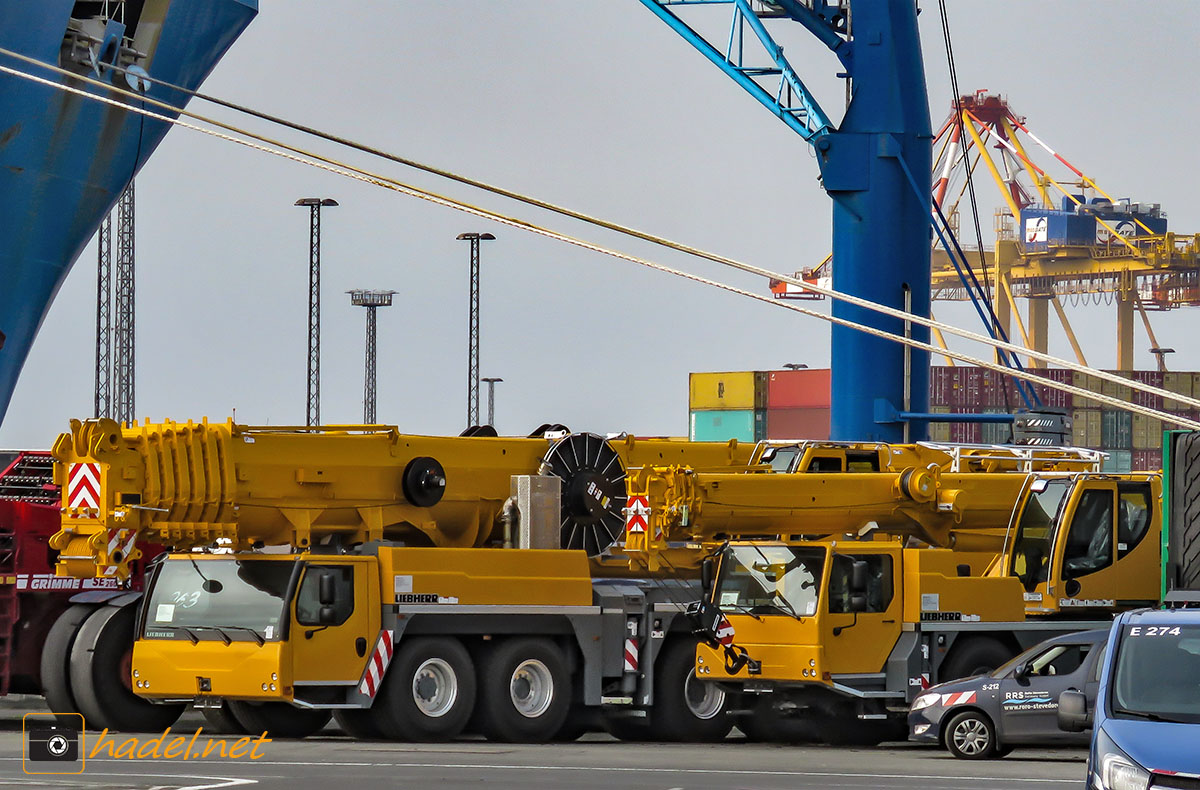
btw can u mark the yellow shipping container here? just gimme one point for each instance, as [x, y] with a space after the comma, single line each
[1147, 432]
[738, 390]
[939, 431]
[1079, 436]
[1113, 389]
[1177, 382]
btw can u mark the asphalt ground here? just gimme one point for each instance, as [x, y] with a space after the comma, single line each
[594, 762]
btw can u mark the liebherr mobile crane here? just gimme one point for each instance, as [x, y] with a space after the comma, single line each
[397, 607]
[838, 597]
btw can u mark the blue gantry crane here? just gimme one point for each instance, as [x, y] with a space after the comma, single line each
[875, 165]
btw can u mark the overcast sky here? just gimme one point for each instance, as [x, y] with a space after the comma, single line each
[594, 104]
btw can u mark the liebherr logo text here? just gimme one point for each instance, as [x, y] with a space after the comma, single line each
[416, 598]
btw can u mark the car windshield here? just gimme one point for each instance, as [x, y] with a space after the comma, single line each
[771, 580]
[1157, 673]
[218, 599]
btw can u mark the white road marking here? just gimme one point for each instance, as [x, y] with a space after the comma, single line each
[599, 769]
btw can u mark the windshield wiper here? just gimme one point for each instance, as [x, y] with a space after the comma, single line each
[742, 610]
[1142, 714]
[787, 607]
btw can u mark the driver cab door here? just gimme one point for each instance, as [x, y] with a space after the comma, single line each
[1103, 556]
[860, 641]
[334, 620]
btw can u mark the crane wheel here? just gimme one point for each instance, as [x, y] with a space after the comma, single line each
[221, 721]
[524, 691]
[687, 709]
[429, 692]
[278, 719]
[358, 723]
[56, 664]
[100, 676]
[976, 656]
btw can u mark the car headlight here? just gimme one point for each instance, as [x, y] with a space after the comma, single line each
[924, 701]
[1117, 771]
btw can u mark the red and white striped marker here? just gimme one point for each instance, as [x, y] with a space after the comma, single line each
[961, 698]
[83, 485]
[724, 632]
[122, 539]
[637, 515]
[377, 665]
[631, 655]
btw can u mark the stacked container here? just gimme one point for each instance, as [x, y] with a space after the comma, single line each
[794, 404]
[726, 406]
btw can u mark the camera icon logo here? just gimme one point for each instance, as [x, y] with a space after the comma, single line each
[53, 743]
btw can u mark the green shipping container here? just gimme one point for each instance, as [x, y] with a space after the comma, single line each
[1119, 462]
[721, 425]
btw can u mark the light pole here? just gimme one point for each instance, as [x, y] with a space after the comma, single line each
[491, 382]
[372, 300]
[312, 414]
[473, 327]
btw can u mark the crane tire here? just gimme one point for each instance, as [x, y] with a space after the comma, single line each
[764, 725]
[977, 655]
[221, 721]
[686, 709]
[358, 723]
[101, 680]
[56, 661]
[524, 691]
[429, 692]
[278, 719]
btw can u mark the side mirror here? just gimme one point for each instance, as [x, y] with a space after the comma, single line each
[326, 589]
[1073, 713]
[768, 455]
[706, 576]
[327, 615]
[1024, 670]
[858, 577]
[858, 602]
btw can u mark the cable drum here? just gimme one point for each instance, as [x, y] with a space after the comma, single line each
[593, 492]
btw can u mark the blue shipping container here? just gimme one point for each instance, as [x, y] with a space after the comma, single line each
[721, 425]
[1041, 228]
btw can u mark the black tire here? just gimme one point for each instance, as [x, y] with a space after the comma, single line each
[445, 683]
[1183, 569]
[764, 725]
[221, 721]
[56, 661]
[970, 735]
[100, 679]
[358, 723]
[524, 691]
[278, 719]
[685, 709]
[976, 656]
[580, 721]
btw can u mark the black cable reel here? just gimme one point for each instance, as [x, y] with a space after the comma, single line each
[593, 492]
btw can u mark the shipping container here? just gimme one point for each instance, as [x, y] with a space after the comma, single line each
[995, 432]
[1114, 390]
[721, 425]
[939, 431]
[1118, 462]
[1147, 433]
[1147, 460]
[965, 433]
[1177, 382]
[1087, 427]
[798, 389]
[798, 423]
[743, 390]
[1116, 429]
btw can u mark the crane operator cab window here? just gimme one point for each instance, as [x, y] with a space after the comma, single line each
[780, 459]
[1133, 515]
[1032, 547]
[1089, 546]
[339, 595]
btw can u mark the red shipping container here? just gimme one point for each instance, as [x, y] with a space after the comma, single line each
[798, 424]
[1147, 460]
[798, 389]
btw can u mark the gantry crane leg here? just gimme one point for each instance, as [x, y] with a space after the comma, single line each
[1039, 326]
[1125, 308]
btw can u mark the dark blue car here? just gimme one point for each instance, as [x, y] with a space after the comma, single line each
[985, 716]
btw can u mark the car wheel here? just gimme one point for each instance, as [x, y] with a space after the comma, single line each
[971, 736]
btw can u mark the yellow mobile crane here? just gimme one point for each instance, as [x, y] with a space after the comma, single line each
[836, 598]
[397, 606]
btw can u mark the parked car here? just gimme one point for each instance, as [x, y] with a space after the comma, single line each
[985, 716]
[1145, 718]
